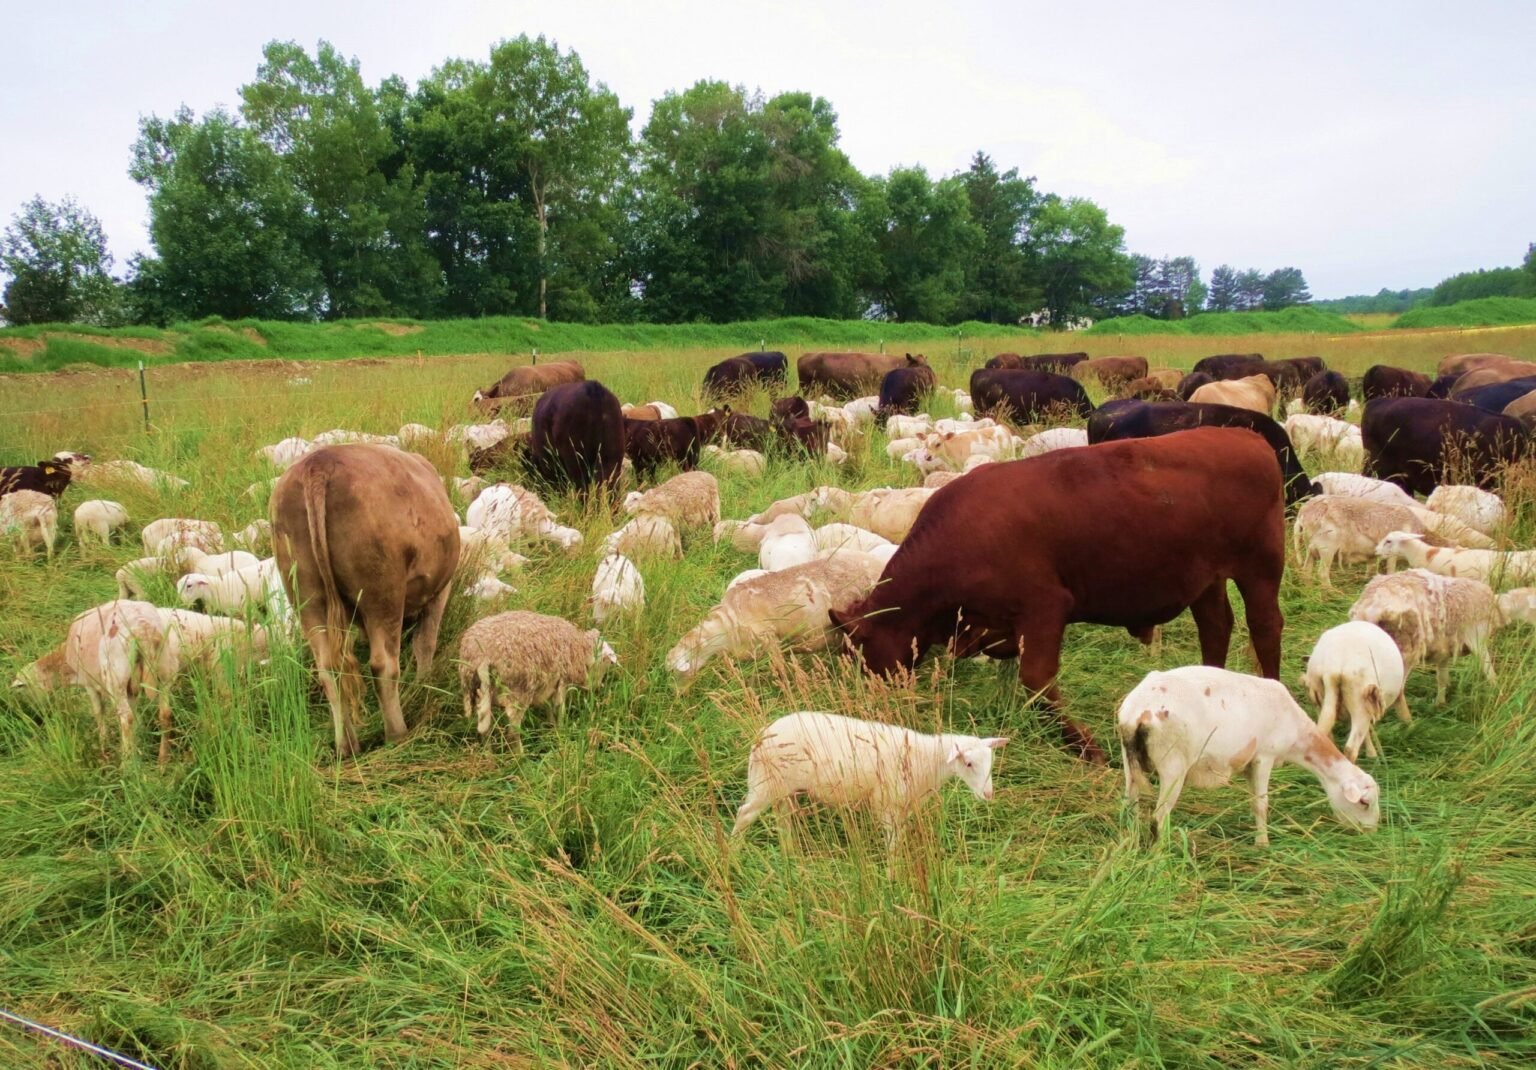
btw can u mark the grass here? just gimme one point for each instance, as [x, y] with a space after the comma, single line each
[1301, 319]
[450, 902]
[1483, 312]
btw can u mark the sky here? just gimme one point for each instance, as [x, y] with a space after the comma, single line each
[1368, 144]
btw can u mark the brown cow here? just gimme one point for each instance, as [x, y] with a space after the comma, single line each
[521, 387]
[1060, 363]
[1385, 381]
[846, 374]
[1111, 371]
[1523, 408]
[1461, 363]
[364, 533]
[1128, 534]
[1489, 374]
[1255, 393]
[1148, 389]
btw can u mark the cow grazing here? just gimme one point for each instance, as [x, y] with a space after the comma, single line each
[1495, 397]
[521, 387]
[1419, 443]
[1385, 381]
[50, 477]
[845, 375]
[1493, 373]
[365, 534]
[1148, 389]
[1326, 392]
[772, 365]
[793, 407]
[1192, 382]
[1128, 534]
[1060, 363]
[905, 390]
[651, 443]
[738, 429]
[1026, 395]
[730, 377]
[1116, 420]
[1228, 365]
[1461, 363]
[1113, 372]
[578, 437]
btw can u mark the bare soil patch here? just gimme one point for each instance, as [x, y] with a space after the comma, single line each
[153, 347]
[23, 347]
[395, 330]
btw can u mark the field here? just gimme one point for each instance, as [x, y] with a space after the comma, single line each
[449, 902]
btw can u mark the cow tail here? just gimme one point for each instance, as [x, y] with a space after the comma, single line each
[337, 627]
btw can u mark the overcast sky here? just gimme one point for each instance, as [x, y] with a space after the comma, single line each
[1368, 144]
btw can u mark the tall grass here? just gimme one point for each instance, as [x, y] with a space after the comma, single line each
[575, 902]
[1296, 320]
[1483, 312]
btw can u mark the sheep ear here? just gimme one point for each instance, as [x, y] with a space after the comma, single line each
[995, 741]
[1354, 793]
[956, 752]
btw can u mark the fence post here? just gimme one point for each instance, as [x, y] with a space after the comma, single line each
[535, 356]
[144, 397]
[762, 345]
[882, 345]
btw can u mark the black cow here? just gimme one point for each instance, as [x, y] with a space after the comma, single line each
[738, 429]
[1127, 418]
[1385, 381]
[1192, 382]
[770, 365]
[49, 477]
[1441, 387]
[1025, 395]
[1039, 362]
[903, 390]
[1326, 392]
[730, 377]
[1495, 397]
[578, 437]
[1228, 365]
[1419, 443]
[650, 443]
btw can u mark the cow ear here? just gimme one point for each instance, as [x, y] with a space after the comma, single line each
[839, 620]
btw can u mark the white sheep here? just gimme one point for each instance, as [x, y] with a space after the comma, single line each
[483, 550]
[964, 422]
[133, 578]
[97, 519]
[1311, 433]
[339, 437]
[836, 454]
[889, 512]
[1199, 725]
[1494, 567]
[935, 480]
[901, 426]
[488, 587]
[788, 541]
[962, 401]
[255, 537]
[1519, 604]
[120, 472]
[185, 559]
[845, 762]
[738, 462]
[646, 535]
[412, 435]
[836, 538]
[1359, 664]
[789, 607]
[1354, 485]
[1349, 529]
[518, 660]
[1053, 438]
[744, 575]
[514, 512]
[1433, 619]
[31, 518]
[283, 454]
[467, 488]
[257, 586]
[832, 501]
[160, 536]
[1473, 506]
[688, 500]
[618, 590]
[862, 410]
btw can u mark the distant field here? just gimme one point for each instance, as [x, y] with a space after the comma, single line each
[451, 903]
[1372, 321]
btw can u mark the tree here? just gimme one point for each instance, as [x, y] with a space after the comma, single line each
[924, 236]
[1079, 258]
[1283, 288]
[1530, 269]
[1250, 291]
[56, 256]
[1471, 285]
[1223, 293]
[998, 285]
[226, 222]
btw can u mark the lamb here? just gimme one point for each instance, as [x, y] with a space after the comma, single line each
[132, 472]
[831, 500]
[1354, 485]
[283, 454]
[1519, 604]
[132, 578]
[160, 536]
[486, 551]
[1053, 438]
[488, 587]
[1433, 619]
[185, 559]
[647, 535]
[97, 519]
[1199, 725]
[1324, 434]
[849, 763]
[1347, 528]
[31, 518]
[889, 512]
[688, 500]
[739, 462]
[900, 426]
[339, 437]
[519, 659]
[618, 590]
[745, 575]
[514, 512]
[835, 538]
[862, 410]
[467, 488]
[836, 454]
[255, 537]
[1494, 567]
[782, 607]
[962, 401]
[1359, 663]
[257, 586]
[788, 542]
[1473, 506]
[412, 435]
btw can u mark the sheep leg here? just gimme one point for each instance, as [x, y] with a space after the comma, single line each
[99, 715]
[1442, 682]
[753, 805]
[1213, 621]
[1487, 663]
[1171, 785]
[486, 701]
[1258, 785]
[128, 754]
[424, 642]
[1402, 707]
[1324, 565]
[1359, 732]
[1329, 711]
[161, 695]
[515, 714]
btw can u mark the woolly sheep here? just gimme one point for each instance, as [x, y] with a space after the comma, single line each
[745, 575]
[962, 401]
[283, 454]
[1432, 619]
[1473, 506]
[618, 590]
[487, 587]
[31, 518]
[256, 586]
[97, 519]
[833, 501]
[1199, 725]
[901, 426]
[889, 512]
[1494, 567]
[1519, 604]
[339, 437]
[789, 607]
[412, 435]
[836, 454]
[467, 488]
[688, 500]
[788, 541]
[161, 536]
[1359, 664]
[1324, 434]
[255, 537]
[1053, 438]
[185, 559]
[854, 764]
[1332, 526]
[519, 659]
[132, 578]
[862, 410]
[486, 551]
[739, 462]
[1354, 485]
[835, 538]
[899, 449]
[646, 535]
[131, 472]
[513, 512]
[935, 480]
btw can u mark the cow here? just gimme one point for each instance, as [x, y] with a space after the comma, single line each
[1228, 365]
[1113, 372]
[1385, 381]
[578, 437]
[1523, 408]
[772, 365]
[1192, 382]
[1305, 367]
[1461, 363]
[650, 443]
[521, 387]
[1127, 534]
[1039, 362]
[1419, 443]
[1326, 392]
[737, 428]
[803, 433]
[1496, 397]
[1490, 374]
[1148, 389]
[1025, 395]
[735, 374]
[50, 477]
[904, 390]
[366, 534]
[1116, 420]
[846, 375]
[793, 407]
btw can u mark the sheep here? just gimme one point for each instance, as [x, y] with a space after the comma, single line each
[519, 659]
[935, 480]
[486, 551]
[1494, 567]
[1053, 438]
[897, 449]
[487, 587]
[185, 559]
[846, 762]
[788, 541]
[862, 410]
[962, 401]
[618, 589]
[132, 578]
[1519, 604]
[739, 462]
[480, 436]
[255, 537]
[835, 538]
[1347, 528]
[339, 437]
[160, 536]
[1359, 663]
[1324, 434]
[900, 426]
[836, 454]
[261, 491]
[745, 575]
[1473, 506]
[1198, 725]
[257, 586]
[283, 454]
[964, 422]
[1433, 619]
[688, 500]
[889, 512]
[1354, 485]
[467, 488]
[412, 435]
[647, 535]
[830, 500]
[31, 518]
[790, 607]
[97, 519]
[131, 472]
[514, 512]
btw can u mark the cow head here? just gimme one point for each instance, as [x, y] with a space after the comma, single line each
[917, 361]
[875, 638]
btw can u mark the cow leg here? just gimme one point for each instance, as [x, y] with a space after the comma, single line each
[1039, 636]
[1213, 620]
[383, 630]
[1261, 609]
[424, 642]
[326, 670]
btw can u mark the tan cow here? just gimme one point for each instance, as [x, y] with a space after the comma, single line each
[521, 387]
[1255, 392]
[1523, 408]
[1111, 371]
[365, 533]
[1461, 363]
[1490, 374]
[847, 374]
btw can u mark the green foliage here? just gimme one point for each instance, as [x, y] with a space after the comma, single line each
[60, 270]
[924, 236]
[1283, 288]
[1384, 301]
[1222, 296]
[1000, 286]
[1169, 288]
[1485, 312]
[1079, 258]
[1301, 319]
[1491, 282]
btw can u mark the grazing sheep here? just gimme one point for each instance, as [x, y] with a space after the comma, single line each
[836, 538]
[688, 500]
[412, 435]
[618, 590]
[467, 488]
[935, 480]
[257, 586]
[283, 454]
[131, 472]
[862, 410]
[1473, 506]
[255, 537]
[836, 454]
[1348, 529]
[1324, 434]
[1519, 604]
[646, 535]
[739, 462]
[1432, 619]
[338, 437]
[97, 519]
[901, 426]
[488, 587]
[788, 542]
[486, 551]
[1494, 567]
[962, 401]
[898, 449]
[846, 762]
[161, 536]
[833, 501]
[1354, 485]
[31, 518]
[518, 659]
[889, 512]
[1199, 725]
[513, 512]
[1053, 438]
[745, 575]
[185, 559]
[789, 607]
[1360, 664]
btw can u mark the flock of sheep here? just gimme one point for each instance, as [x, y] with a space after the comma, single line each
[819, 552]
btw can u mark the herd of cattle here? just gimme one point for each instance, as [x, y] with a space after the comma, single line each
[1179, 484]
